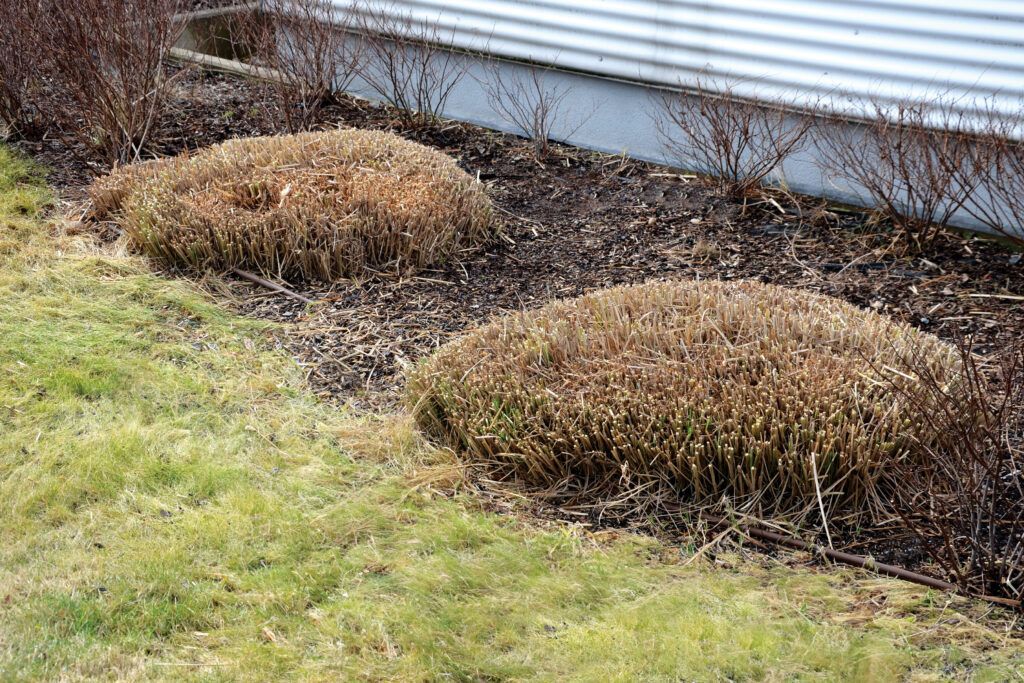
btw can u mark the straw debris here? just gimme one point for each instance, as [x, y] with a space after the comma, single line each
[323, 205]
[703, 389]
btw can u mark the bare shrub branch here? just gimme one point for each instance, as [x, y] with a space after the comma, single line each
[21, 72]
[528, 103]
[305, 43]
[738, 140]
[910, 158]
[410, 63]
[107, 63]
[964, 499]
[998, 163]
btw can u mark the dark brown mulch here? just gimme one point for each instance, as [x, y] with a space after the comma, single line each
[580, 221]
[208, 109]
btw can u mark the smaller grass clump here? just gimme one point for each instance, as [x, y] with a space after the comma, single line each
[321, 205]
[702, 389]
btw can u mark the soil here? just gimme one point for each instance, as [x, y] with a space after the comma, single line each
[574, 222]
[578, 221]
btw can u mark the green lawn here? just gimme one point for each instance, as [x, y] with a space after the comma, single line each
[175, 505]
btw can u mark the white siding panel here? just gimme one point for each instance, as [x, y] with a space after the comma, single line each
[797, 49]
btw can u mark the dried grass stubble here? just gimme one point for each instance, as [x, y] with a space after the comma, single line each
[709, 389]
[322, 205]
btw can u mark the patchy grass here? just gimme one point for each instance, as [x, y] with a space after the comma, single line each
[176, 506]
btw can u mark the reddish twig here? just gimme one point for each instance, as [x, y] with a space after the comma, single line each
[854, 560]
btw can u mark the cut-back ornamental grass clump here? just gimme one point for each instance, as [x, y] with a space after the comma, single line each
[702, 390]
[321, 205]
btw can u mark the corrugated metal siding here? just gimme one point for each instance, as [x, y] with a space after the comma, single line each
[797, 49]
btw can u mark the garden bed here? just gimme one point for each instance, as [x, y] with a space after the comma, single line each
[178, 507]
[579, 221]
[575, 222]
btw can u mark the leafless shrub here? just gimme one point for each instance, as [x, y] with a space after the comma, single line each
[321, 205]
[107, 67]
[21, 68]
[410, 63]
[305, 43]
[528, 103]
[964, 499]
[998, 163]
[738, 140]
[910, 158]
[693, 391]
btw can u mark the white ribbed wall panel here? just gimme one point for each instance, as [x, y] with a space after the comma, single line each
[609, 53]
[801, 50]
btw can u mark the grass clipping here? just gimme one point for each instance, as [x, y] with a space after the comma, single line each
[321, 205]
[699, 390]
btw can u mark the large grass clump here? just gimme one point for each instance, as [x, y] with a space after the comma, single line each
[322, 205]
[702, 389]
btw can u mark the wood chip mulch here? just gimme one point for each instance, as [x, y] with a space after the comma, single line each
[575, 222]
